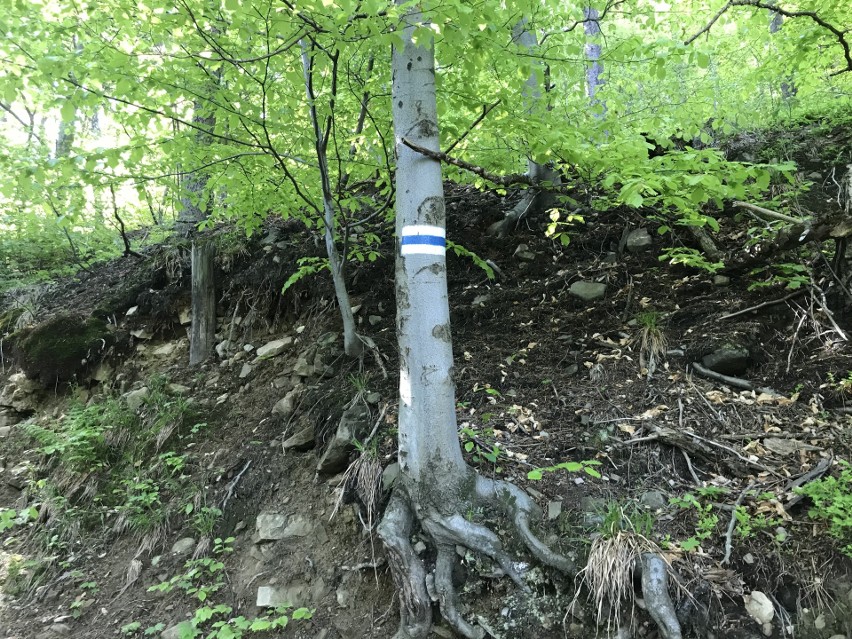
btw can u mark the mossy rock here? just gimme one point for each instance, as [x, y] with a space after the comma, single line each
[61, 348]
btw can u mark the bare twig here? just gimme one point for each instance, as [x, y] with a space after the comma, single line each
[232, 486]
[767, 213]
[486, 109]
[757, 307]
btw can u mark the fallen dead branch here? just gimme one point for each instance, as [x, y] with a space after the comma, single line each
[768, 214]
[757, 307]
[815, 473]
[729, 535]
[736, 382]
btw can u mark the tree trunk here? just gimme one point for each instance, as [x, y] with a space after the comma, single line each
[203, 330]
[534, 200]
[195, 209]
[436, 488]
[594, 70]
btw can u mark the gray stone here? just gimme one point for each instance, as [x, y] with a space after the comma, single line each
[303, 368]
[248, 348]
[302, 440]
[285, 406]
[727, 360]
[183, 546]
[102, 373]
[372, 398]
[554, 509]
[389, 475]
[588, 291]
[295, 594]
[638, 240]
[185, 316]
[165, 350]
[5, 431]
[60, 629]
[174, 632]
[270, 526]
[298, 526]
[480, 300]
[328, 339]
[610, 258]
[142, 333]
[136, 398]
[654, 499]
[273, 348]
[222, 349]
[354, 424]
[721, 280]
[245, 371]
[523, 253]
[374, 319]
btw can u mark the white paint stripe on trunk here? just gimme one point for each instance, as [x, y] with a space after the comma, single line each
[423, 229]
[422, 249]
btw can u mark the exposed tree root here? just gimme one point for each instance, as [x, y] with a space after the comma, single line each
[447, 530]
[655, 590]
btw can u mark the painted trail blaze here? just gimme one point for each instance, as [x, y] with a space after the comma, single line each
[423, 239]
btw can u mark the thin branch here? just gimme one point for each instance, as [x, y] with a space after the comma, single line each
[757, 307]
[710, 24]
[732, 524]
[440, 156]
[121, 229]
[767, 213]
[839, 34]
[486, 109]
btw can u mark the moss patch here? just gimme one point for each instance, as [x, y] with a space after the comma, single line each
[61, 348]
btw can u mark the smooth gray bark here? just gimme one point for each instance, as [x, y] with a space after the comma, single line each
[534, 200]
[435, 487]
[352, 344]
[594, 70]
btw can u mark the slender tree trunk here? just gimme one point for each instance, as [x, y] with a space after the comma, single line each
[594, 70]
[352, 343]
[194, 210]
[788, 89]
[534, 200]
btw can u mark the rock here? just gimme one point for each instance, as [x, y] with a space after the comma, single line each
[610, 258]
[588, 291]
[185, 316]
[328, 339]
[554, 509]
[298, 526]
[760, 607]
[222, 349]
[103, 372]
[245, 371]
[273, 348]
[374, 319]
[60, 629]
[302, 440]
[781, 446]
[131, 311]
[248, 348]
[480, 300]
[61, 348]
[523, 253]
[297, 593]
[389, 475]
[721, 280]
[136, 398]
[176, 631]
[142, 333]
[638, 241]
[354, 425]
[285, 406]
[178, 389]
[5, 431]
[165, 350]
[727, 360]
[372, 398]
[654, 499]
[270, 526]
[303, 369]
[183, 546]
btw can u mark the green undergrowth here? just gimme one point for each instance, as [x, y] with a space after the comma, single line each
[199, 583]
[108, 470]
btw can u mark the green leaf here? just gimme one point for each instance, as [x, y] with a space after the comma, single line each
[535, 474]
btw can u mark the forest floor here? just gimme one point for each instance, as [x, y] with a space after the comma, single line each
[543, 378]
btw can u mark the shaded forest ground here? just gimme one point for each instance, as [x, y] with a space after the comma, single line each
[543, 378]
